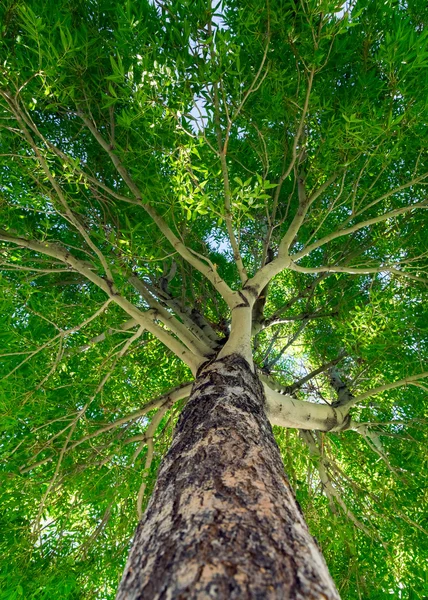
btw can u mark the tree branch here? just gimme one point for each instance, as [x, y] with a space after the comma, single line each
[195, 344]
[222, 149]
[356, 271]
[344, 396]
[145, 319]
[191, 318]
[21, 118]
[211, 274]
[283, 260]
[383, 388]
[288, 411]
[341, 232]
[298, 384]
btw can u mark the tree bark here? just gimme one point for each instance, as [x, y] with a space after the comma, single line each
[223, 522]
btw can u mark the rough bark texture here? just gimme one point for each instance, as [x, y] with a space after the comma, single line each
[223, 522]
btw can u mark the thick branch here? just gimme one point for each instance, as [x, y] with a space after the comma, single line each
[194, 343]
[191, 318]
[239, 341]
[344, 396]
[287, 411]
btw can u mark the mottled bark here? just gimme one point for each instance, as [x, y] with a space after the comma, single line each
[223, 522]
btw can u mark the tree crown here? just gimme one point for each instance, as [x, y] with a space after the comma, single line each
[162, 165]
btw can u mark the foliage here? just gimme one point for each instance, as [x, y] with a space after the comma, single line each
[124, 122]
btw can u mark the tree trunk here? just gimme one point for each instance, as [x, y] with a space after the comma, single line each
[223, 522]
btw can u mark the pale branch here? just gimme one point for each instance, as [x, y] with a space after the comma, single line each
[211, 274]
[284, 176]
[272, 217]
[396, 190]
[273, 384]
[298, 219]
[231, 299]
[373, 441]
[16, 353]
[307, 291]
[259, 305]
[148, 440]
[148, 434]
[36, 523]
[54, 366]
[268, 272]
[269, 349]
[283, 259]
[5, 266]
[301, 125]
[342, 232]
[227, 193]
[383, 388]
[302, 317]
[165, 400]
[255, 84]
[119, 355]
[193, 342]
[145, 319]
[322, 188]
[72, 426]
[191, 318]
[356, 271]
[315, 453]
[30, 355]
[367, 494]
[67, 159]
[331, 208]
[59, 336]
[204, 326]
[195, 347]
[288, 411]
[54, 183]
[38, 314]
[126, 326]
[264, 156]
[168, 275]
[421, 386]
[83, 550]
[356, 185]
[34, 429]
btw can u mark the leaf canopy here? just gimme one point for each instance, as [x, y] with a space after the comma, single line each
[123, 121]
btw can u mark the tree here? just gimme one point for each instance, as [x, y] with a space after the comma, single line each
[230, 194]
